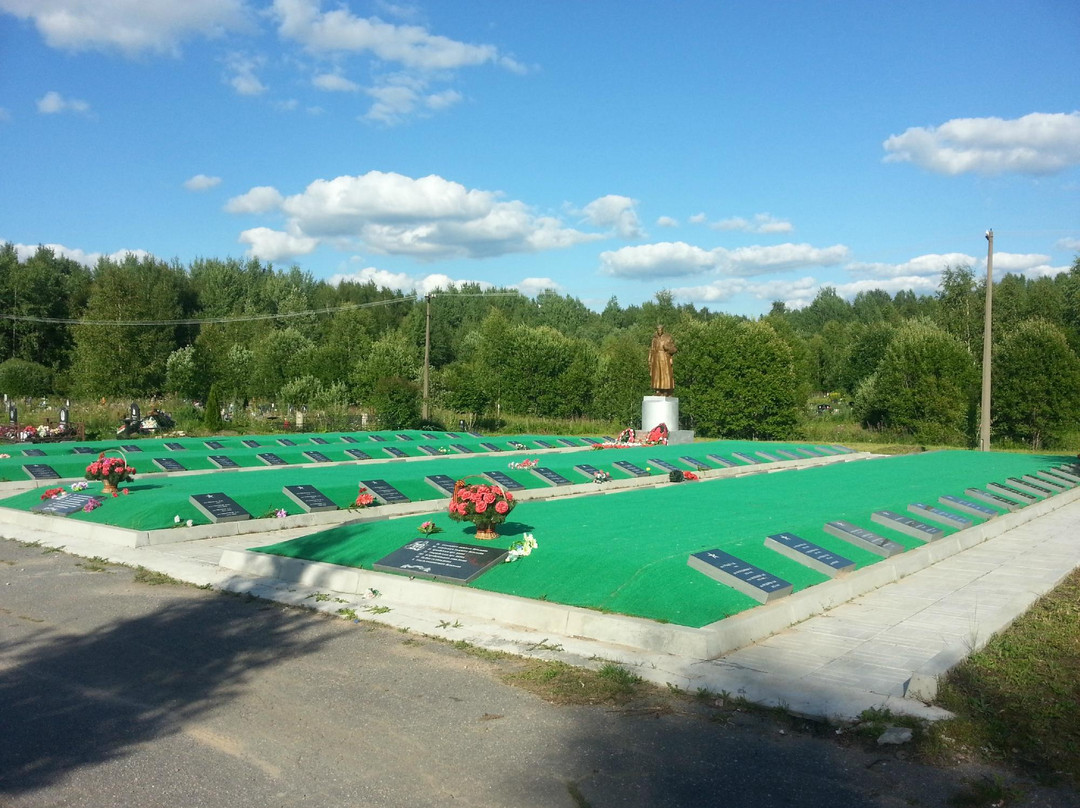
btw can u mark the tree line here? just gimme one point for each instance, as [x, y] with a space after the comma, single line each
[250, 332]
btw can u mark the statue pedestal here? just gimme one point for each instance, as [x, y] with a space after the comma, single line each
[656, 410]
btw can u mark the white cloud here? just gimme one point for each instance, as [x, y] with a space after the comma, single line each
[921, 266]
[1068, 244]
[52, 103]
[403, 282]
[87, 259]
[240, 74]
[919, 284]
[1015, 262]
[672, 259]
[335, 83]
[616, 212]
[1044, 271]
[274, 245]
[698, 218]
[759, 260]
[531, 287]
[667, 221]
[201, 182]
[443, 100]
[260, 199]
[761, 223]
[794, 293]
[130, 26]
[1039, 143]
[427, 218]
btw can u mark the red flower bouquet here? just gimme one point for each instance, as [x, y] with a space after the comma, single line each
[111, 470]
[485, 505]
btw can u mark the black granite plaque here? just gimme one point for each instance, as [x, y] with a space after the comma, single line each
[310, 498]
[630, 468]
[214, 444]
[753, 461]
[429, 436]
[384, 492]
[907, 525]
[474, 434]
[1056, 477]
[41, 471]
[1068, 472]
[543, 444]
[441, 560]
[867, 540]
[549, 475]
[174, 447]
[663, 464]
[320, 441]
[842, 449]
[84, 450]
[131, 447]
[428, 450]
[1055, 486]
[587, 470]
[394, 451]
[358, 454]
[223, 461]
[516, 444]
[251, 444]
[993, 499]
[317, 457]
[723, 462]
[759, 584]
[453, 435]
[1031, 488]
[348, 439]
[271, 459]
[825, 450]
[377, 438]
[168, 464]
[443, 483]
[461, 447]
[694, 463]
[33, 453]
[966, 506]
[592, 441]
[63, 506]
[491, 447]
[219, 507]
[809, 554]
[404, 437]
[1009, 491]
[504, 480]
[938, 515]
[807, 452]
[768, 457]
[286, 442]
[787, 455]
[567, 442]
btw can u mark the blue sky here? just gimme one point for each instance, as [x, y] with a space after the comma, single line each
[734, 153]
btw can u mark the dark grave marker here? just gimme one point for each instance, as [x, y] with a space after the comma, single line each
[214, 444]
[251, 444]
[694, 463]
[825, 450]
[271, 459]
[491, 447]
[809, 554]
[174, 447]
[131, 447]
[394, 451]
[84, 450]
[938, 515]
[348, 439]
[223, 462]
[33, 453]
[428, 450]
[168, 464]
[592, 441]
[453, 435]
[631, 468]
[41, 471]
[787, 454]
[505, 480]
[1019, 496]
[808, 452]
[1068, 472]
[867, 540]
[1055, 486]
[568, 442]
[461, 447]
[1031, 488]
[768, 457]
[474, 434]
[762, 586]
[1057, 477]
[377, 438]
[286, 442]
[219, 507]
[429, 436]
[993, 499]
[317, 457]
[549, 475]
[543, 444]
[320, 441]
[907, 525]
[842, 449]
[441, 561]
[517, 444]
[665, 465]
[310, 498]
[443, 483]
[587, 470]
[753, 461]
[966, 506]
[358, 454]
[404, 437]
[384, 492]
[63, 506]
[723, 462]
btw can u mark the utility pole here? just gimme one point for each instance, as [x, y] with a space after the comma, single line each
[425, 410]
[984, 425]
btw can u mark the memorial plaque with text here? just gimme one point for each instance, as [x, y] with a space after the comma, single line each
[358, 454]
[219, 507]
[404, 437]
[1012, 493]
[348, 439]
[443, 483]
[591, 441]
[759, 584]
[271, 459]
[1055, 486]
[568, 442]
[768, 457]
[787, 455]
[842, 449]
[33, 453]
[384, 492]
[428, 450]
[174, 447]
[1031, 488]
[214, 444]
[1057, 477]
[168, 464]
[453, 435]
[549, 476]
[286, 442]
[543, 444]
[809, 554]
[491, 447]
[723, 462]
[131, 447]
[969, 507]
[41, 471]
[441, 560]
[317, 457]
[517, 444]
[377, 438]
[865, 539]
[429, 436]
[251, 444]
[632, 469]
[394, 451]
[474, 434]
[753, 461]
[993, 499]
[1068, 472]
[825, 450]
[694, 463]
[223, 462]
[587, 470]
[907, 525]
[808, 452]
[939, 515]
[63, 506]
[84, 450]
[310, 498]
[504, 480]
[320, 441]
[461, 447]
[663, 464]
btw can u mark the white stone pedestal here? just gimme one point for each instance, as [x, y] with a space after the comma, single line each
[657, 410]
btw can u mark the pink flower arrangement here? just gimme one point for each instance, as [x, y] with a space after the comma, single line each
[52, 493]
[363, 499]
[113, 470]
[480, 504]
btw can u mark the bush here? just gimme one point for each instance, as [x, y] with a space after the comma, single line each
[21, 378]
[397, 403]
[212, 416]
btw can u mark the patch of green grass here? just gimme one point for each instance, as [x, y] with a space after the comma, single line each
[95, 564]
[348, 613]
[478, 652]
[559, 683]
[1015, 701]
[152, 578]
[377, 609]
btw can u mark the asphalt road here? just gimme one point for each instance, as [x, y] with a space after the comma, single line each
[118, 693]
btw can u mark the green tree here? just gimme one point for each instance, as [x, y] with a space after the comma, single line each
[396, 402]
[622, 378]
[21, 378]
[182, 375]
[212, 415]
[391, 356]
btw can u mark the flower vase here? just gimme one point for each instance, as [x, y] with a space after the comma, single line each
[485, 531]
[110, 488]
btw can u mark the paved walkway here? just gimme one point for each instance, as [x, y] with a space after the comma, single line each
[882, 649]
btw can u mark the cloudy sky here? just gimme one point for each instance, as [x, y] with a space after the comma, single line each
[734, 153]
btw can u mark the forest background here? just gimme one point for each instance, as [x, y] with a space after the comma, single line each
[884, 368]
